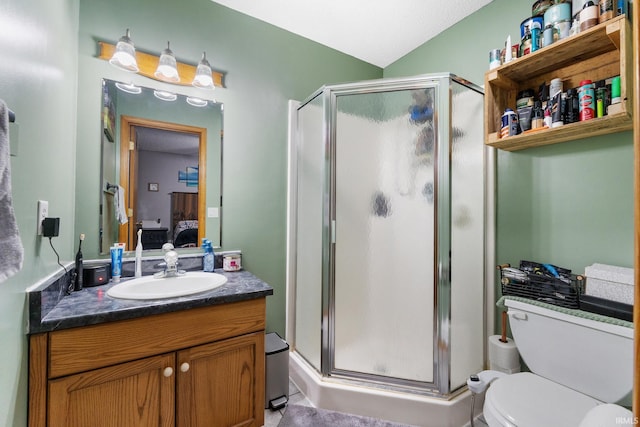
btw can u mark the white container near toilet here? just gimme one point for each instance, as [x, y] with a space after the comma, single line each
[576, 365]
[610, 282]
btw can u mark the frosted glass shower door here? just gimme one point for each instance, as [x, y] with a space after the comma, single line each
[383, 288]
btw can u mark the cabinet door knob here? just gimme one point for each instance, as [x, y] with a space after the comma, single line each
[168, 371]
[184, 367]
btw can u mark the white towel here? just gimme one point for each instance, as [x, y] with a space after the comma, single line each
[11, 250]
[121, 210]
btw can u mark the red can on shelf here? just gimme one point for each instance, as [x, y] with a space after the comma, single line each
[586, 100]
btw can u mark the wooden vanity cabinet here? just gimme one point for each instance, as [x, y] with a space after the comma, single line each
[198, 367]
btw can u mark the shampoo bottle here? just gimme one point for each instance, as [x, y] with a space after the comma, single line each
[77, 286]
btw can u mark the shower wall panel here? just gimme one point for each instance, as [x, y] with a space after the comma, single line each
[467, 234]
[311, 170]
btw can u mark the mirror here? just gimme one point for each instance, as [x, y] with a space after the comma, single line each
[166, 179]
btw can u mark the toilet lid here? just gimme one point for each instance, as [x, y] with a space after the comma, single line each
[528, 400]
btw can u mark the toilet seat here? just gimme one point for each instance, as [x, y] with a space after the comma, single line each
[528, 400]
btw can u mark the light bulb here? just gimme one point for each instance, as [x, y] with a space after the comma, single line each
[125, 55]
[167, 69]
[203, 77]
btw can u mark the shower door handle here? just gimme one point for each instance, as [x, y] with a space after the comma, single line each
[333, 231]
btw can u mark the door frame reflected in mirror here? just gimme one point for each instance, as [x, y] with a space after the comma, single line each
[128, 172]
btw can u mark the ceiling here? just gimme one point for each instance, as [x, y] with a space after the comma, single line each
[376, 31]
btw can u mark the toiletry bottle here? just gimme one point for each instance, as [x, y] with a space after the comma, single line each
[589, 15]
[537, 118]
[601, 99]
[572, 108]
[79, 267]
[116, 262]
[139, 255]
[547, 116]
[208, 257]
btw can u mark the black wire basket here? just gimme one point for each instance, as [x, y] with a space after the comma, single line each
[563, 290]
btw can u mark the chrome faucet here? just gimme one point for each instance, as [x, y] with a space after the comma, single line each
[170, 263]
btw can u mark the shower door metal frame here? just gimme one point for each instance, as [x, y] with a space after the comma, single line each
[442, 201]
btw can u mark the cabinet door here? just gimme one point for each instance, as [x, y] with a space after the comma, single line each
[222, 384]
[138, 393]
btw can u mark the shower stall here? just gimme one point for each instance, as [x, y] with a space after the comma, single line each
[389, 225]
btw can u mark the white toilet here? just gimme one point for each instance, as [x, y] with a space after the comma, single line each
[576, 365]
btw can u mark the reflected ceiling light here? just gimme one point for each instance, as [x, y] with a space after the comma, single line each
[125, 55]
[164, 95]
[167, 69]
[203, 77]
[129, 88]
[197, 102]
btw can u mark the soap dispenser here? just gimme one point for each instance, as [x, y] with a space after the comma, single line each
[208, 260]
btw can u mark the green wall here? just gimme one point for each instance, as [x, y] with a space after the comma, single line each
[570, 204]
[38, 71]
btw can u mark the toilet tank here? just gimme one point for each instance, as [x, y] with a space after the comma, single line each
[589, 356]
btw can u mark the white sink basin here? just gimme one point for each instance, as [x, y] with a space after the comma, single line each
[149, 287]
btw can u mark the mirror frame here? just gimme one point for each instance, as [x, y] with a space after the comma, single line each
[128, 178]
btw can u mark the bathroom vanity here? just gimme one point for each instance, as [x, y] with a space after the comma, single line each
[190, 361]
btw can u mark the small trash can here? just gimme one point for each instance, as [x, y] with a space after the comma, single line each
[276, 371]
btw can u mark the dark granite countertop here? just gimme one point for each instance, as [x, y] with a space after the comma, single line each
[92, 305]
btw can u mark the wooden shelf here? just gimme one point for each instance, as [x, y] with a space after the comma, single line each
[601, 52]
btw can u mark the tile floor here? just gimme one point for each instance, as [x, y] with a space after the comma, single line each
[272, 418]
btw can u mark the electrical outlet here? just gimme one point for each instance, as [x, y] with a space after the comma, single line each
[43, 212]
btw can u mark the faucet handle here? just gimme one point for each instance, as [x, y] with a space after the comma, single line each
[167, 247]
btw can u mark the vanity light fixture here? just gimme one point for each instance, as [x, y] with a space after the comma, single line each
[197, 102]
[164, 68]
[125, 55]
[129, 88]
[203, 78]
[167, 68]
[165, 95]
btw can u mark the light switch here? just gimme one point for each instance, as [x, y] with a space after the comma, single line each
[212, 213]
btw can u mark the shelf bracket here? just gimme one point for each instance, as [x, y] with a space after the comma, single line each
[613, 32]
[501, 81]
